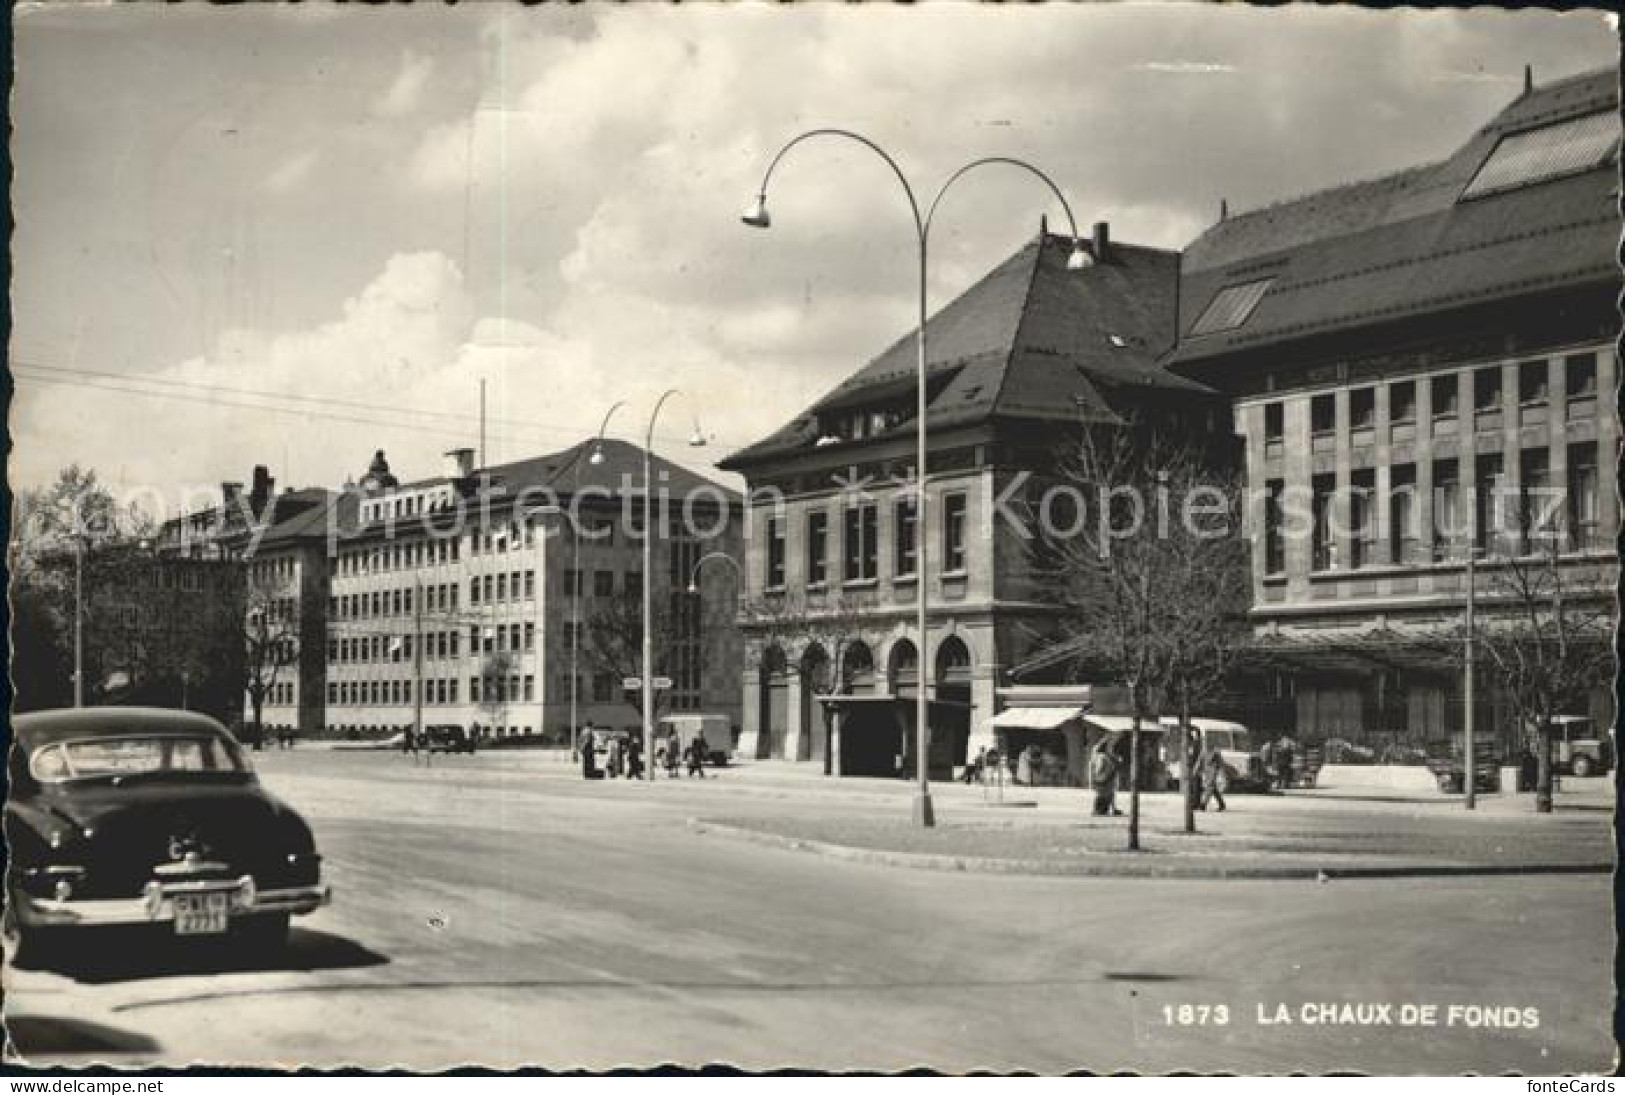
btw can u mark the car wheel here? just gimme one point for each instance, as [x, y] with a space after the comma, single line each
[265, 936]
[1581, 766]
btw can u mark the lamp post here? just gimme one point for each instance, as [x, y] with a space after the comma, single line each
[756, 216]
[1469, 757]
[79, 620]
[697, 440]
[595, 460]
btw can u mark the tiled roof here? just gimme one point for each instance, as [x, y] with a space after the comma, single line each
[1406, 244]
[557, 471]
[622, 465]
[1030, 339]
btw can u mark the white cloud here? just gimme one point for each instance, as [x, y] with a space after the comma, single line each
[292, 172]
[1185, 68]
[406, 90]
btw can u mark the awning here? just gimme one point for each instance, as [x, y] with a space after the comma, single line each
[1035, 718]
[1121, 724]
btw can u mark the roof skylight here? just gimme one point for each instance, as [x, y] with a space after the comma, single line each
[1230, 307]
[1550, 152]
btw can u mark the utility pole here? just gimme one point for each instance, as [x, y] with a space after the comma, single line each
[417, 659]
[1470, 757]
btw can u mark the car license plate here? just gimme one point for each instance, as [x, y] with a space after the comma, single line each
[202, 913]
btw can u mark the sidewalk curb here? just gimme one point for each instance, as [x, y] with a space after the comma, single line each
[990, 865]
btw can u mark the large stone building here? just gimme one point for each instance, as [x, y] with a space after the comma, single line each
[1016, 365]
[465, 599]
[1418, 364]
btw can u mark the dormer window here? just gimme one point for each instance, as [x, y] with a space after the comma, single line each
[1231, 307]
[1549, 152]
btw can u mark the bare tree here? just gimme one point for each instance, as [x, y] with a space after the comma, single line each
[613, 641]
[1141, 542]
[496, 678]
[1548, 631]
[269, 622]
[74, 532]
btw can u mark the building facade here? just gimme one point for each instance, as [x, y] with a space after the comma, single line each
[1018, 364]
[468, 598]
[1422, 366]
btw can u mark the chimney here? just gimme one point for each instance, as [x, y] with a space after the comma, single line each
[1043, 225]
[1528, 79]
[263, 489]
[460, 463]
[229, 493]
[1224, 209]
[1102, 242]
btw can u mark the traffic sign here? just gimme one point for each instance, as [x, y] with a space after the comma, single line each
[634, 684]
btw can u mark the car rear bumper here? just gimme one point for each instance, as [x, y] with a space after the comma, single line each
[158, 906]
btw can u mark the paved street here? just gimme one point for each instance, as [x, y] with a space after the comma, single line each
[493, 910]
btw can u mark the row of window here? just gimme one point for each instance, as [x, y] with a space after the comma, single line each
[437, 645]
[1534, 379]
[1504, 520]
[280, 694]
[433, 551]
[438, 690]
[860, 541]
[603, 583]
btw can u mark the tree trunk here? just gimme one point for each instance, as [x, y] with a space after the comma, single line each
[1187, 763]
[1543, 766]
[1134, 780]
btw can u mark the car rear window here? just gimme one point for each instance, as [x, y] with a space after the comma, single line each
[88, 758]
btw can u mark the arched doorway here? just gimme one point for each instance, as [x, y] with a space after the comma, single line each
[775, 704]
[952, 678]
[858, 669]
[815, 680]
[903, 669]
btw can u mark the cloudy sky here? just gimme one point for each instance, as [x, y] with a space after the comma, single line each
[295, 235]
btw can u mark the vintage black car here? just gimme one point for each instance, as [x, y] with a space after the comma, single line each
[147, 817]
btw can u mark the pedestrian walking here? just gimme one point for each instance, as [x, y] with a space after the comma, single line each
[588, 744]
[674, 754]
[1266, 761]
[1103, 777]
[1026, 765]
[634, 757]
[1214, 777]
[1285, 752]
[696, 755]
[973, 770]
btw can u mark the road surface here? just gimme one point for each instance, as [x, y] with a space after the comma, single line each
[507, 915]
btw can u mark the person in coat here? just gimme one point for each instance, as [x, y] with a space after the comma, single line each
[674, 754]
[1213, 778]
[1103, 778]
[588, 745]
[697, 750]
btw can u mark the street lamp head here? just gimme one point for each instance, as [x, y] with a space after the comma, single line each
[597, 456]
[692, 588]
[755, 214]
[696, 440]
[1080, 258]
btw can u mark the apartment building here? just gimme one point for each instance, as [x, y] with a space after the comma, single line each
[1018, 364]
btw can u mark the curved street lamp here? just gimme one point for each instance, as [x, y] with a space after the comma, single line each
[696, 440]
[694, 575]
[756, 215]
